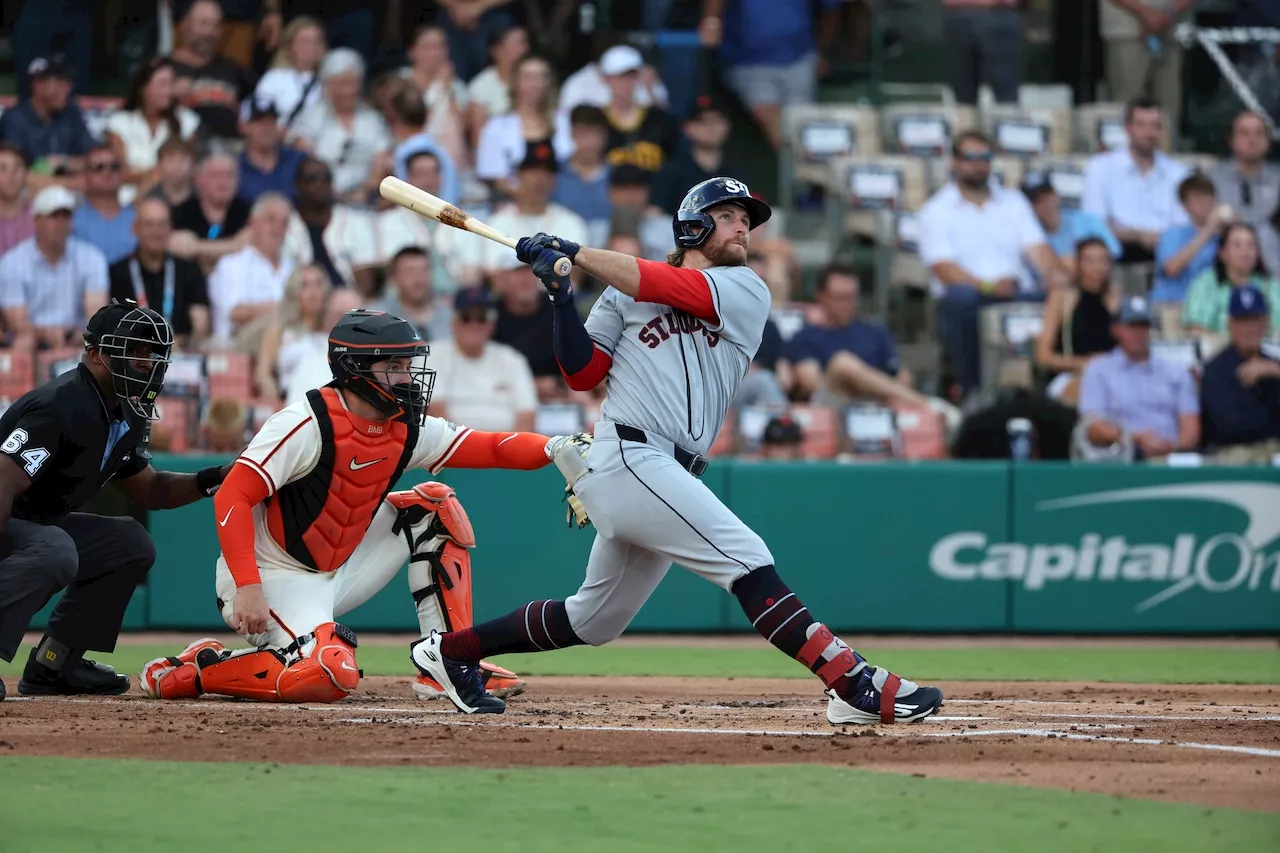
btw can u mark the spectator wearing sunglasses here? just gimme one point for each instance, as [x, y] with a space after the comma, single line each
[1250, 185]
[479, 382]
[100, 219]
[975, 236]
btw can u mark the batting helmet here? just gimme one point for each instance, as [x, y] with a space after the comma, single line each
[706, 195]
[362, 338]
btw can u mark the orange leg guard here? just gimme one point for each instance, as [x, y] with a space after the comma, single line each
[328, 674]
[443, 546]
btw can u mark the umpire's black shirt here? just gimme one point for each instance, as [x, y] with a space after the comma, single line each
[63, 435]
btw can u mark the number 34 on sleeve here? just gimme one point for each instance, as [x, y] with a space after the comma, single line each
[32, 458]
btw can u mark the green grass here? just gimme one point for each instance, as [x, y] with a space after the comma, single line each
[54, 805]
[1186, 665]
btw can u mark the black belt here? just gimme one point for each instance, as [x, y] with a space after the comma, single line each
[694, 463]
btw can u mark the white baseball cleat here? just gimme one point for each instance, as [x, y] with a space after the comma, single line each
[882, 697]
[460, 679]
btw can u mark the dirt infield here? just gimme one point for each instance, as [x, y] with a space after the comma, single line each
[1211, 745]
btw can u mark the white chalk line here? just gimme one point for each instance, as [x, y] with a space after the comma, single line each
[1043, 733]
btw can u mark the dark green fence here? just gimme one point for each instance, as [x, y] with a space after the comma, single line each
[943, 547]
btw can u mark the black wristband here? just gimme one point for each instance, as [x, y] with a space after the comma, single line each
[209, 479]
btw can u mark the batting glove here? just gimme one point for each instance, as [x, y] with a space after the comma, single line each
[527, 247]
[559, 288]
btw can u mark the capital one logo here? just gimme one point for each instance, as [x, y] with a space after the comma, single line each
[1220, 563]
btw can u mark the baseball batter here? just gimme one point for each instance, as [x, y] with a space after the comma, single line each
[310, 528]
[672, 341]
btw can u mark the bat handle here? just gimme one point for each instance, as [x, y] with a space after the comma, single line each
[563, 267]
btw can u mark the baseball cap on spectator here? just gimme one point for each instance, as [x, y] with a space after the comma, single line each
[629, 175]
[539, 156]
[255, 107]
[783, 429]
[468, 298]
[1134, 311]
[1247, 302]
[1036, 184]
[48, 66]
[704, 104]
[587, 115]
[620, 59]
[53, 199]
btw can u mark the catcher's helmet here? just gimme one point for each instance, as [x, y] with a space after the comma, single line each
[362, 338]
[136, 343]
[706, 195]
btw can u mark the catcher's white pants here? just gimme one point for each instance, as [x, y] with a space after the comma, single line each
[649, 513]
[301, 601]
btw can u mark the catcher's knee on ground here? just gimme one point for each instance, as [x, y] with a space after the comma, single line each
[326, 674]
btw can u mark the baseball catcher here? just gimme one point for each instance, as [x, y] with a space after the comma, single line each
[310, 528]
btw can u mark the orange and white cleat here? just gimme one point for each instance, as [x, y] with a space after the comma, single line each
[500, 682]
[177, 677]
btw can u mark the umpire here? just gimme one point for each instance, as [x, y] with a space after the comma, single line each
[62, 442]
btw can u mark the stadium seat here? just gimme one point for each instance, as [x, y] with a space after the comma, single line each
[172, 433]
[821, 429]
[1065, 173]
[924, 129]
[230, 375]
[53, 362]
[17, 373]
[558, 419]
[1028, 132]
[814, 134]
[1098, 127]
[1008, 169]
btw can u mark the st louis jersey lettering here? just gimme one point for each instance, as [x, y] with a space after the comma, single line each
[675, 374]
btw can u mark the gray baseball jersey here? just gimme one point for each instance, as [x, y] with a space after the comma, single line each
[673, 374]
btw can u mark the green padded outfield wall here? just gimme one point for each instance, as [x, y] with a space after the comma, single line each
[942, 547]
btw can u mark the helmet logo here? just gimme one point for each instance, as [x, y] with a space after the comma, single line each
[734, 186]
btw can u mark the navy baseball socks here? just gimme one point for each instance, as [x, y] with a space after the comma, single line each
[858, 692]
[538, 626]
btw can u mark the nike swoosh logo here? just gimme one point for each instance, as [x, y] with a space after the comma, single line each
[223, 523]
[346, 665]
[356, 466]
[508, 438]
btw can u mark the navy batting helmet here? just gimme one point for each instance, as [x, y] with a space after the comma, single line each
[706, 195]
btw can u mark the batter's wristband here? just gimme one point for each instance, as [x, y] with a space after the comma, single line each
[208, 480]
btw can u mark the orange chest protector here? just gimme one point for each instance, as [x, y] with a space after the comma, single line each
[321, 518]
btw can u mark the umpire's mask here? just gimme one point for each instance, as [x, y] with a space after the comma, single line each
[136, 351]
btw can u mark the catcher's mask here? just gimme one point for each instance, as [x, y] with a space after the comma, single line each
[363, 339]
[134, 343]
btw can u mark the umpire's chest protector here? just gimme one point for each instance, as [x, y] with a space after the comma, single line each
[321, 518]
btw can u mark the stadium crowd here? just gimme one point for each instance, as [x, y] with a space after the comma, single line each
[235, 189]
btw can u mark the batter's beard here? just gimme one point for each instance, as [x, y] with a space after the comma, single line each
[724, 255]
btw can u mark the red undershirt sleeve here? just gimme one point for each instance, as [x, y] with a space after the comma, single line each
[242, 490]
[522, 451]
[687, 290]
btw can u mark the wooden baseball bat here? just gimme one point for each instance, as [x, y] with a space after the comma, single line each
[424, 203]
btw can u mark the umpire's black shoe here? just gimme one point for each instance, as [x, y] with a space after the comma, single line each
[82, 678]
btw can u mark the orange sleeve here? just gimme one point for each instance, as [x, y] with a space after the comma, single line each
[522, 451]
[242, 490]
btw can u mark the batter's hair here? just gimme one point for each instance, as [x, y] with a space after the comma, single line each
[676, 257]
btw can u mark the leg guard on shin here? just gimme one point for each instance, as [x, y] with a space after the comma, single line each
[440, 537]
[327, 674]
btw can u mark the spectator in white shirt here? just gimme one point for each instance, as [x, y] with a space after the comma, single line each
[532, 120]
[1135, 189]
[345, 131]
[479, 382]
[411, 295]
[489, 93]
[974, 237]
[246, 286]
[443, 94]
[293, 81]
[296, 330]
[587, 86]
[532, 210]
[401, 228]
[52, 283]
[150, 116]
[339, 238]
